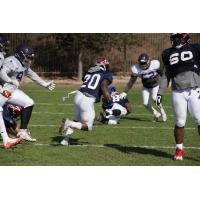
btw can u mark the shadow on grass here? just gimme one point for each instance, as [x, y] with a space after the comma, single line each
[137, 119]
[148, 151]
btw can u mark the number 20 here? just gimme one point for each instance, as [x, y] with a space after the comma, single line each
[185, 55]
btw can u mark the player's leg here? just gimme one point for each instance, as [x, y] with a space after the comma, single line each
[7, 142]
[154, 92]
[20, 98]
[147, 103]
[194, 107]
[179, 106]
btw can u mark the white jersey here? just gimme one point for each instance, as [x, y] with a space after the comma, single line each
[149, 76]
[14, 69]
[1, 58]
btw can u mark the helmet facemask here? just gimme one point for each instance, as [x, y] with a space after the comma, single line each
[179, 39]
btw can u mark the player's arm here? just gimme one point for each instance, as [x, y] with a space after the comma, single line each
[129, 85]
[128, 107]
[104, 88]
[34, 77]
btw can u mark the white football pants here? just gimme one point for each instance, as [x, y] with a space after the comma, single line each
[18, 98]
[183, 100]
[84, 109]
[115, 119]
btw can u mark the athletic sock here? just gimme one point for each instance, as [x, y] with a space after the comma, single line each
[77, 125]
[180, 146]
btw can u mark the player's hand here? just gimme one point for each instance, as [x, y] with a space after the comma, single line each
[6, 93]
[123, 95]
[158, 100]
[51, 85]
[15, 82]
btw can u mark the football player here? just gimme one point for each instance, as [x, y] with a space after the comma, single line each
[95, 84]
[12, 72]
[182, 67]
[149, 71]
[7, 142]
[115, 110]
[10, 115]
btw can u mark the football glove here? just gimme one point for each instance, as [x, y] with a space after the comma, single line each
[123, 95]
[158, 99]
[6, 93]
[50, 85]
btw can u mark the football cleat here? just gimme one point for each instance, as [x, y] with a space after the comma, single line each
[65, 141]
[11, 142]
[164, 117]
[179, 154]
[156, 116]
[26, 135]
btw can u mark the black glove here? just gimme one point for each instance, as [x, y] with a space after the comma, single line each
[158, 100]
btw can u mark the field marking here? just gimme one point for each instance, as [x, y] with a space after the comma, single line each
[134, 146]
[71, 104]
[107, 146]
[116, 127]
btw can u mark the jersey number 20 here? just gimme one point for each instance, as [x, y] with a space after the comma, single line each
[91, 81]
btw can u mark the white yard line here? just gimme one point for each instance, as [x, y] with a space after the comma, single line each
[116, 127]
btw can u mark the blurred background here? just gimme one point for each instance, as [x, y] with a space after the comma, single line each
[70, 54]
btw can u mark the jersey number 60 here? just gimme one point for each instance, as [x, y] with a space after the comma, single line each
[185, 55]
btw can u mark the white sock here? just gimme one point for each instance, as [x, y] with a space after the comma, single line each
[69, 132]
[77, 125]
[3, 131]
[180, 146]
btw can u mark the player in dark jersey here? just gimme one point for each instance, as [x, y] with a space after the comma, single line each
[182, 67]
[95, 84]
[114, 110]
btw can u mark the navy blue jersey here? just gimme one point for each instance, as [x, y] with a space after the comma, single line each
[186, 58]
[8, 118]
[91, 86]
[115, 99]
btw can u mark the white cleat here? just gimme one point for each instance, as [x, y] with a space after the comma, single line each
[156, 116]
[26, 135]
[164, 117]
[65, 141]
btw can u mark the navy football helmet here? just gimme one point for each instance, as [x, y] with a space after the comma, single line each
[103, 63]
[144, 61]
[111, 89]
[24, 53]
[14, 110]
[4, 44]
[179, 39]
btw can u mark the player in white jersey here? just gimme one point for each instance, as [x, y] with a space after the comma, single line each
[12, 72]
[7, 142]
[148, 70]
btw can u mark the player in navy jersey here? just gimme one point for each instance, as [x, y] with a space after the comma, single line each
[95, 84]
[115, 110]
[182, 67]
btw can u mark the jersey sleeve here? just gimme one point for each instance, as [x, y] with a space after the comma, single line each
[34, 77]
[108, 76]
[134, 70]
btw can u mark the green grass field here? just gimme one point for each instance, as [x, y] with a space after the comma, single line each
[136, 141]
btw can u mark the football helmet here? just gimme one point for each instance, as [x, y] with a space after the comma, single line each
[179, 39]
[144, 61]
[112, 90]
[103, 63]
[4, 44]
[24, 53]
[15, 110]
